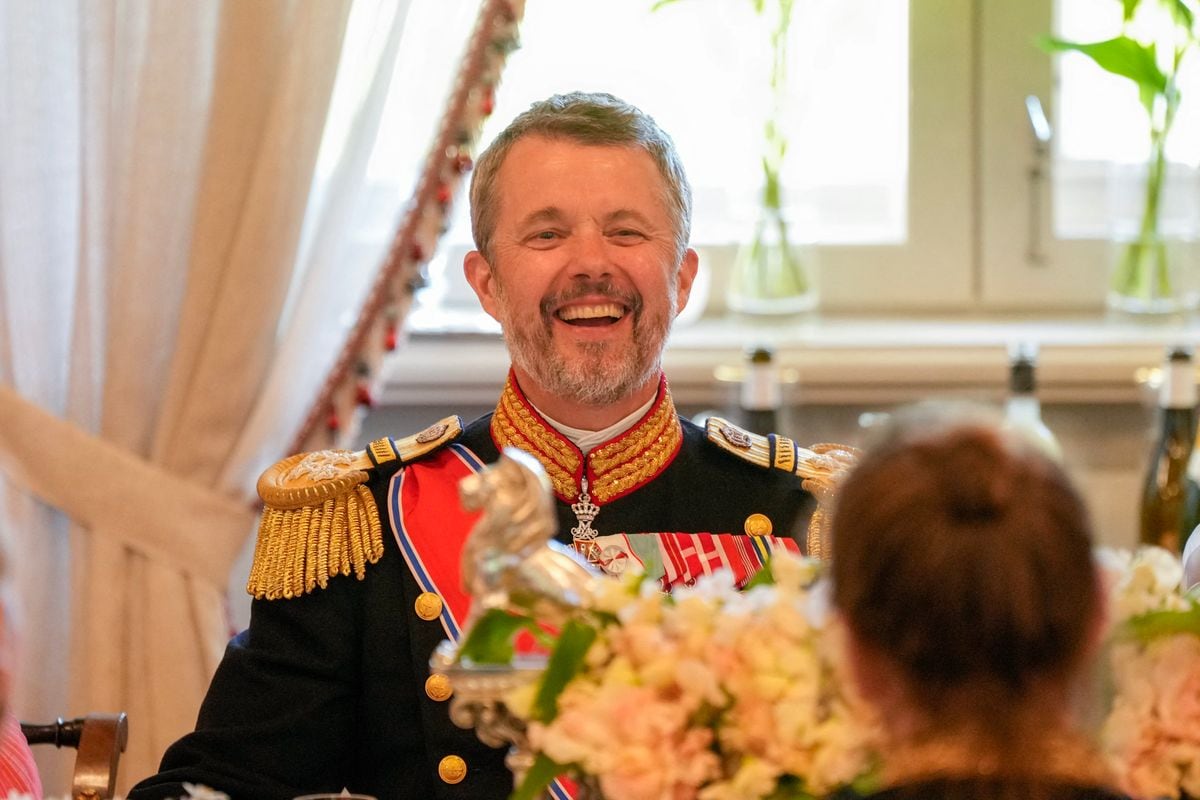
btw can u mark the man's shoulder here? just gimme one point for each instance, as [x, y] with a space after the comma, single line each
[311, 479]
[389, 454]
[774, 452]
[320, 516]
[774, 462]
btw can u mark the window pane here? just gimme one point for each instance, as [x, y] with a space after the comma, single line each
[701, 68]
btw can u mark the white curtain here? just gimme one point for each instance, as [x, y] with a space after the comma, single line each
[188, 224]
[156, 169]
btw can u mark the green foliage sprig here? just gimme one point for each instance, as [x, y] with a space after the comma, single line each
[1151, 57]
[777, 270]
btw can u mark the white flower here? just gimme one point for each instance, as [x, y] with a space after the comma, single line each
[196, 791]
[1152, 732]
[1146, 580]
[711, 693]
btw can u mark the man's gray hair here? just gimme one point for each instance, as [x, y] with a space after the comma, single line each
[593, 118]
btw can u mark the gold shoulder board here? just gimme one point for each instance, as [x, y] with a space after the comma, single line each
[319, 517]
[742, 443]
[819, 467]
[432, 438]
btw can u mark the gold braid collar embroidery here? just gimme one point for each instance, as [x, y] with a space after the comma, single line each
[625, 463]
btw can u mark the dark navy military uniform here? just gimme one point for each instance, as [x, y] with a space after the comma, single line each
[330, 687]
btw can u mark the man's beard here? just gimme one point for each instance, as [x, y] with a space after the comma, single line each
[600, 373]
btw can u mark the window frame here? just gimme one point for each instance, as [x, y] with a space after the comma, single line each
[933, 269]
[1072, 273]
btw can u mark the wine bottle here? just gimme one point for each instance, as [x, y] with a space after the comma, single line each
[1023, 409]
[761, 394]
[1164, 491]
[1191, 498]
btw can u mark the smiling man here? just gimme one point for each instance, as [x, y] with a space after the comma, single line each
[581, 214]
[585, 266]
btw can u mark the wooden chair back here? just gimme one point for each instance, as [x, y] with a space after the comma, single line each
[98, 740]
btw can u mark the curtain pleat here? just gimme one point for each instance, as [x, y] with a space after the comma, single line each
[159, 162]
[157, 220]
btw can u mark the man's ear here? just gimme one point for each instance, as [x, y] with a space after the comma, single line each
[687, 276]
[483, 281]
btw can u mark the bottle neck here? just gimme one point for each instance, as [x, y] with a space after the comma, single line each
[1178, 389]
[760, 390]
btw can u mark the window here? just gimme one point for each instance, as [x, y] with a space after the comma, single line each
[882, 169]
[912, 160]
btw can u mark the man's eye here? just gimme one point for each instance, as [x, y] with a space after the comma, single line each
[626, 233]
[543, 238]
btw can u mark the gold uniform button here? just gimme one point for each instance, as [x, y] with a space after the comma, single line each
[758, 525]
[437, 686]
[452, 770]
[428, 605]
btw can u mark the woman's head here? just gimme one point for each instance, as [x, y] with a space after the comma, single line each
[962, 556]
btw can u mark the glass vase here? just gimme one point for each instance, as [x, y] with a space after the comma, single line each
[1154, 267]
[775, 272]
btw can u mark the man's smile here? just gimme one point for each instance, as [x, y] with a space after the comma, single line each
[591, 314]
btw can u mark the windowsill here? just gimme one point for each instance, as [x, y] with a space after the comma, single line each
[832, 358]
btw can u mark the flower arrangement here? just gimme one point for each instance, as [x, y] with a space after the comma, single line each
[1152, 732]
[709, 693]
[714, 693]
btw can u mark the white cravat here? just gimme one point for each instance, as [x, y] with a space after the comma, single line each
[586, 440]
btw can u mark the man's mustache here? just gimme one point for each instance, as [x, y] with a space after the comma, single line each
[605, 288]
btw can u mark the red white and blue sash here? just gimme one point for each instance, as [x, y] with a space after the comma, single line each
[431, 527]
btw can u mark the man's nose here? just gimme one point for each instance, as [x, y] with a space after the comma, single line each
[591, 254]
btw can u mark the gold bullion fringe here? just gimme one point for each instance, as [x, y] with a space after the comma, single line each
[818, 533]
[302, 548]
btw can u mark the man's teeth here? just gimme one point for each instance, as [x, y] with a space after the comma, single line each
[591, 312]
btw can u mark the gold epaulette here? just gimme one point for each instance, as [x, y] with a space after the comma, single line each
[820, 467]
[319, 517]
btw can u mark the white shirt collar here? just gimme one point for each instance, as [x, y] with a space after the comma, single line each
[587, 440]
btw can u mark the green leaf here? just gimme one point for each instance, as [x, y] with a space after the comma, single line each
[1129, 8]
[789, 787]
[1120, 56]
[1154, 624]
[1147, 96]
[490, 640]
[564, 664]
[1183, 15]
[761, 578]
[869, 782]
[537, 778]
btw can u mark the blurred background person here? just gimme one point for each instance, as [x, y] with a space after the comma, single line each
[963, 568]
[18, 772]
